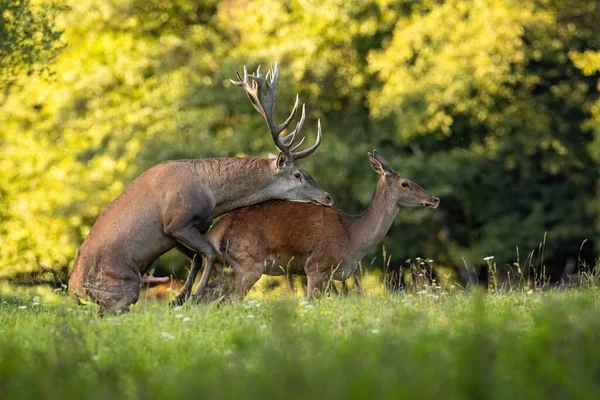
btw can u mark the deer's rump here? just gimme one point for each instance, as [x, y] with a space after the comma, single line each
[126, 239]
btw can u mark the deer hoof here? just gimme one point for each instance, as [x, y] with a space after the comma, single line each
[196, 299]
[178, 301]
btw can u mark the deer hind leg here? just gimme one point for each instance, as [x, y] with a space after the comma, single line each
[290, 282]
[114, 294]
[330, 287]
[243, 279]
[357, 287]
[316, 283]
[344, 287]
[120, 303]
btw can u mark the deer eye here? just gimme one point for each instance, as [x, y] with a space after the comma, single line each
[405, 184]
[298, 176]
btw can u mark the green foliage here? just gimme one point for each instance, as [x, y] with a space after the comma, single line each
[492, 106]
[518, 346]
[29, 39]
[491, 92]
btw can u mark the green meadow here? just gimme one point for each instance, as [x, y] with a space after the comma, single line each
[431, 344]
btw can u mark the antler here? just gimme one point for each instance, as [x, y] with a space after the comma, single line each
[265, 105]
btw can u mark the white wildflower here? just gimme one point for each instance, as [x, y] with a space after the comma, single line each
[186, 319]
[375, 331]
[488, 258]
[167, 335]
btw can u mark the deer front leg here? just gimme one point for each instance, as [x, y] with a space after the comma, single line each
[189, 282]
[218, 288]
[201, 289]
[191, 238]
[202, 286]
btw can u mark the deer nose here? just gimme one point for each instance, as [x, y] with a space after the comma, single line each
[328, 199]
[436, 200]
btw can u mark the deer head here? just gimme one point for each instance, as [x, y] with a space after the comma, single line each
[291, 182]
[403, 190]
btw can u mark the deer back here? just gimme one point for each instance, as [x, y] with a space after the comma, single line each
[283, 231]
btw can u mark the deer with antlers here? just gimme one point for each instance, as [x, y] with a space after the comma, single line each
[282, 238]
[174, 203]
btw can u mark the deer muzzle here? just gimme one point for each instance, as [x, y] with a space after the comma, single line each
[434, 202]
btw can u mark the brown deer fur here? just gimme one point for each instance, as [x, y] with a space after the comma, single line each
[282, 238]
[174, 203]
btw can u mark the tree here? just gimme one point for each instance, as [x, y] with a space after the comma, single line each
[29, 39]
[490, 91]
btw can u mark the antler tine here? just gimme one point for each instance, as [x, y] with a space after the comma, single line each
[311, 149]
[289, 139]
[274, 71]
[271, 86]
[257, 77]
[263, 100]
[298, 145]
[250, 89]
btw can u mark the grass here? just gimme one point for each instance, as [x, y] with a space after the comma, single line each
[431, 345]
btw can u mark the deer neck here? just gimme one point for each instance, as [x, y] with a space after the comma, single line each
[237, 182]
[368, 229]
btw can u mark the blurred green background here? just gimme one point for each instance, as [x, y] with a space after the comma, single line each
[493, 106]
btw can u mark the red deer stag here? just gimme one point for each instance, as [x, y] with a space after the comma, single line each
[282, 238]
[174, 203]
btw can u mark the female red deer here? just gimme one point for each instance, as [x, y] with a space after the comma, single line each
[173, 204]
[281, 237]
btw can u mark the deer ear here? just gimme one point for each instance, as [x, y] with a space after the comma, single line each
[281, 160]
[376, 165]
[379, 164]
[271, 156]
